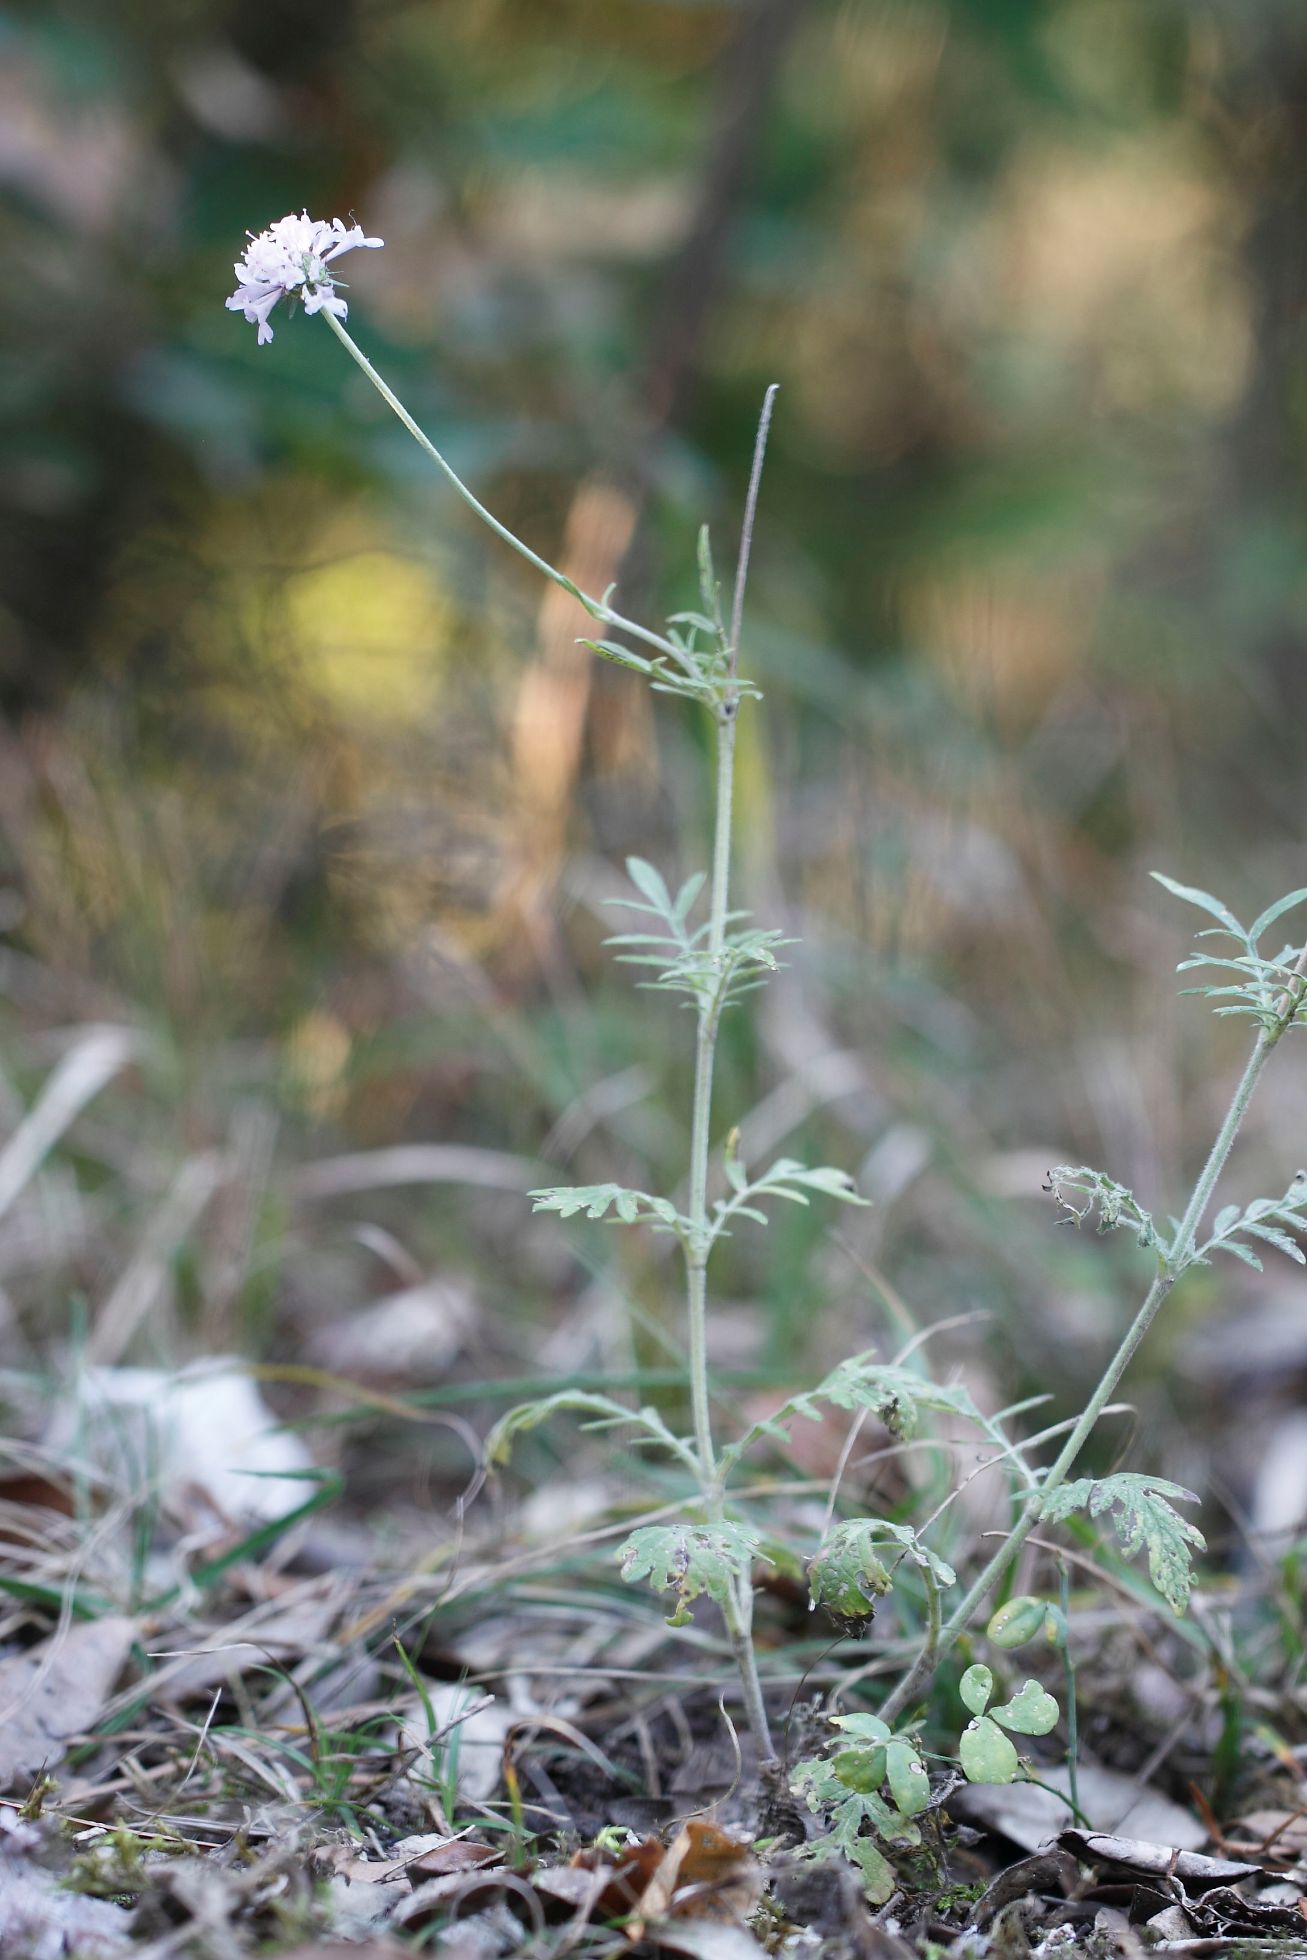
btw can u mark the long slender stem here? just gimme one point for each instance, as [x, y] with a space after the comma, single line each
[746, 528]
[737, 1610]
[923, 1667]
[1069, 1667]
[705, 1050]
[1165, 1279]
[597, 608]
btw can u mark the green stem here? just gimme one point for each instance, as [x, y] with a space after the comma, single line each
[923, 1668]
[705, 1051]
[597, 608]
[738, 1609]
[1181, 1252]
[1069, 1667]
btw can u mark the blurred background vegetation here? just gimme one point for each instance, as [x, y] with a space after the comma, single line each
[307, 783]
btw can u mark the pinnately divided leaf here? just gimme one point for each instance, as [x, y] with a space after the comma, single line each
[786, 1178]
[894, 1394]
[1085, 1194]
[1144, 1516]
[1271, 1220]
[855, 1816]
[596, 1200]
[603, 1411]
[1271, 991]
[690, 1559]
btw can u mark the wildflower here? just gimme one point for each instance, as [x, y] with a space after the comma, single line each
[291, 259]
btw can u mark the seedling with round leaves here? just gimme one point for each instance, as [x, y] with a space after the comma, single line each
[984, 1751]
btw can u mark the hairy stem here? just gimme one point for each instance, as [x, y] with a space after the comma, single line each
[923, 1668]
[597, 608]
[1165, 1279]
[737, 1611]
[746, 529]
[705, 1051]
[1069, 1668]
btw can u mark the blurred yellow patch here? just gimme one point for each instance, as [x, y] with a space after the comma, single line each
[317, 1055]
[1007, 630]
[368, 630]
[1129, 258]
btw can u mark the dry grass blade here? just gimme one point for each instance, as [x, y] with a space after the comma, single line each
[99, 1055]
[416, 1163]
[139, 1286]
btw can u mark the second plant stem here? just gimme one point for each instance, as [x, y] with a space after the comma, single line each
[737, 1606]
[1180, 1254]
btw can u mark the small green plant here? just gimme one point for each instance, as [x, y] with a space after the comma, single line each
[870, 1790]
[690, 943]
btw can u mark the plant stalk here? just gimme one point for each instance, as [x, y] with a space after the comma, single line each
[737, 1609]
[1164, 1280]
[597, 608]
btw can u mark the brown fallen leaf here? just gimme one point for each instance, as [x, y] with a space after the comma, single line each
[459, 1895]
[454, 1855]
[598, 1884]
[33, 1490]
[56, 1691]
[607, 1885]
[705, 1873]
[570, 1892]
[1047, 1871]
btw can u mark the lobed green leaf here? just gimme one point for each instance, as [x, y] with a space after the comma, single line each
[1143, 1516]
[1032, 1711]
[597, 1200]
[691, 1559]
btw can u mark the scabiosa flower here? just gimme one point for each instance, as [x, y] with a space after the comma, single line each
[291, 260]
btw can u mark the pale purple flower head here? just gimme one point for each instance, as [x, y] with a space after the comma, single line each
[291, 259]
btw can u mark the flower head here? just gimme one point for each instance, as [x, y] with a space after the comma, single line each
[289, 259]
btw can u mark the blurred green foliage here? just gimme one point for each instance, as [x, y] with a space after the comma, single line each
[299, 767]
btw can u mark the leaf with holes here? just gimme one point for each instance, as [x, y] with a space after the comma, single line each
[1017, 1622]
[975, 1688]
[894, 1394]
[846, 1578]
[1143, 1516]
[691, 1559]
[1030, 1712]
[906, 1775]
[986, 1754]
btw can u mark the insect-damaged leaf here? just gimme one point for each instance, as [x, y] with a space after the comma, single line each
[1143, 1516]
[690, 1559]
